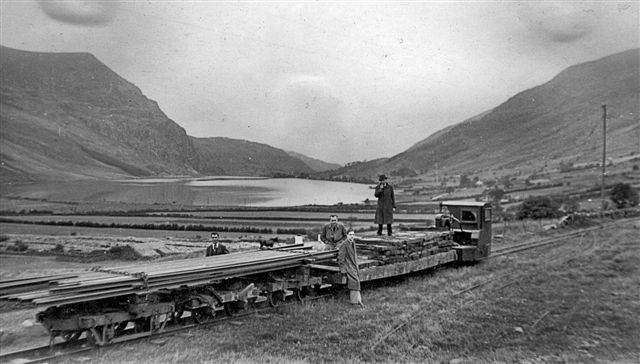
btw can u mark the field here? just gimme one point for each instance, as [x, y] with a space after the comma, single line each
[576, 302]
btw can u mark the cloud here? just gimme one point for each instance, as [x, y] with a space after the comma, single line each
[560, 22]
[310, 108]
[80, 12]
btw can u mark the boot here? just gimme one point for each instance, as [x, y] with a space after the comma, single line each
[389, 231]
[355, 298]
[379, 229]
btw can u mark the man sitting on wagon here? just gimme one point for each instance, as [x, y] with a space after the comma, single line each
[333, 233]
[216, 248]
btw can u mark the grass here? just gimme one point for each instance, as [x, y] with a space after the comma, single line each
[575, 302]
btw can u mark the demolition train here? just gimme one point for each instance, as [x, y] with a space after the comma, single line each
[107, 305]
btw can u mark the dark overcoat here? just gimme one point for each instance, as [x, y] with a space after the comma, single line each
[220, 249]
[386, 204]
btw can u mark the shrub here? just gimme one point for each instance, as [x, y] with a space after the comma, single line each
[4, 237]
[125, 252]
[58, 248]
[538, 207]
[623, 195]
[19, 246]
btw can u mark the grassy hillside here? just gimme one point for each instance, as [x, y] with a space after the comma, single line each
[68, 116]
[557, 121]
[224, 156]
[316, 164]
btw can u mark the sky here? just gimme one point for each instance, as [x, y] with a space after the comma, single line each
[337, 81]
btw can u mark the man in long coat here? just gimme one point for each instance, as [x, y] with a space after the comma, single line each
[386, 205]
[348, 262]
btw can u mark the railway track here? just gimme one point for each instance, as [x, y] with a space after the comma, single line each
[40, 354]
[553, 239]
[505, 251]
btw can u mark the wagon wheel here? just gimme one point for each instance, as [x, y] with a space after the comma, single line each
[158, 321]
[177, 317]
[275, 298]
[142, 325]
[203, 314]
[229, 310]
[96, 336]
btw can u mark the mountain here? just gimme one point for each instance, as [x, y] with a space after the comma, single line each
[560, 120]
[232, 157]
[316, 165]
[68, 116]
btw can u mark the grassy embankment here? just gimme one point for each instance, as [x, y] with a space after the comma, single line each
[576, 302]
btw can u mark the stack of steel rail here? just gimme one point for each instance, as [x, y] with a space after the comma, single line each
[145, 278]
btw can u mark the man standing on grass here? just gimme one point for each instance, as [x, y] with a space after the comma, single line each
[333, 233]
[348, 262]
[216, 248]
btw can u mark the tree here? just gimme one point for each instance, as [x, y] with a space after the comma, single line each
[464, 180]
[569, 205]
[496, 194]
[538, 207]
[506, 182]
[623, 195]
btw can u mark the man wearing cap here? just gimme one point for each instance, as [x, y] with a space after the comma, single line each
[216, 248]
[386, 205]
[333, 233]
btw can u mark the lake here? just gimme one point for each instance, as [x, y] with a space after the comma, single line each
[208, 191]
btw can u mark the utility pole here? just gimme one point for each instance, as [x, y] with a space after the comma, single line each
[604, 153]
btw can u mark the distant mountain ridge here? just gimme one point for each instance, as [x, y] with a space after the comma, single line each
[67, 116]
[232, 157]
[316, 164]
[559, 120]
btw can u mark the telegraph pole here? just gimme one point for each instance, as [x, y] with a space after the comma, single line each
[604, 152]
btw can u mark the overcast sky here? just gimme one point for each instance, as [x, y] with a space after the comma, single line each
[338, 81]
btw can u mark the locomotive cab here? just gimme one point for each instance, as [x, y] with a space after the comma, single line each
[470, 222]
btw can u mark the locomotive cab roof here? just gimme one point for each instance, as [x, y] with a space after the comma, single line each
[465, 203]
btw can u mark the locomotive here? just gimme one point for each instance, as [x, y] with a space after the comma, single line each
[111, 304]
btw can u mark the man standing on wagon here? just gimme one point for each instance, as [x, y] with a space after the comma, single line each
[386, 205]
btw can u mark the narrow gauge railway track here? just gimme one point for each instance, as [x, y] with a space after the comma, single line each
[552, 239]
[506, 251]
[58, 351]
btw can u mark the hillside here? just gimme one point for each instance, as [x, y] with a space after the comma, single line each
[559, 120]
[68, 116]
[232, 157]
[315, 164]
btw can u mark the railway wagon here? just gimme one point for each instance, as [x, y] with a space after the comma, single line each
[112, 304]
